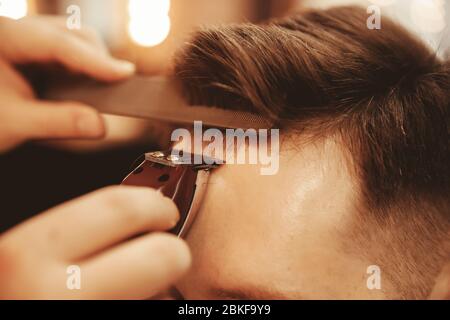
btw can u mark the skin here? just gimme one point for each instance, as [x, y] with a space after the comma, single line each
[96, 232]
[254, 240]
[46, 40]
[92, 232]
[68, 125]
[244, 246]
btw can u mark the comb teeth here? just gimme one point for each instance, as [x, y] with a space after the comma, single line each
[155, 98]
[220, 118]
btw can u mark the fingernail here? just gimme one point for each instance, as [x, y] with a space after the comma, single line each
[125, 66]
[90, 125]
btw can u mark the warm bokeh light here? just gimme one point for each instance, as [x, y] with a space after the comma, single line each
[429, 15]
[14, 9]
[383, 3]
[149, 21]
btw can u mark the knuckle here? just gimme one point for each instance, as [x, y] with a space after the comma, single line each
[123, 201]
[60, 44]
[65, 49]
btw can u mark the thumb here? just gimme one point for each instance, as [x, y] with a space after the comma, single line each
[62, 120]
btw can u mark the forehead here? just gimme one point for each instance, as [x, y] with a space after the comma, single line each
[268, 227]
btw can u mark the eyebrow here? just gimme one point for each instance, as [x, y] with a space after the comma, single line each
[250, 293]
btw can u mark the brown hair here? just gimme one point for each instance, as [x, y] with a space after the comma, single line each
[382, 92]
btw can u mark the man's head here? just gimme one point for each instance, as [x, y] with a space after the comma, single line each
[364, 173]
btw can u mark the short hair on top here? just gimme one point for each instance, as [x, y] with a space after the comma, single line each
[383, 93]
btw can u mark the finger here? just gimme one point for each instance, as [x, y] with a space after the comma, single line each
[441, 290]
[119, 134]
[138, 269]
[11, 79]
[86, 33]
[91, 37]
[57, 21]
[97, 221]
[48, 43]
[80, 56]
[62, 120]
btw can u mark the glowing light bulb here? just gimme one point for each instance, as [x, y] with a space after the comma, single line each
[149, 21]
[14, 9]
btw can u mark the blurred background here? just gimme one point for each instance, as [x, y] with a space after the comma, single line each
[36, 177]
[148, 32]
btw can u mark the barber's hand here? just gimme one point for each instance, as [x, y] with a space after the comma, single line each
[442, 289]
[47, 40]
[90, 232]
